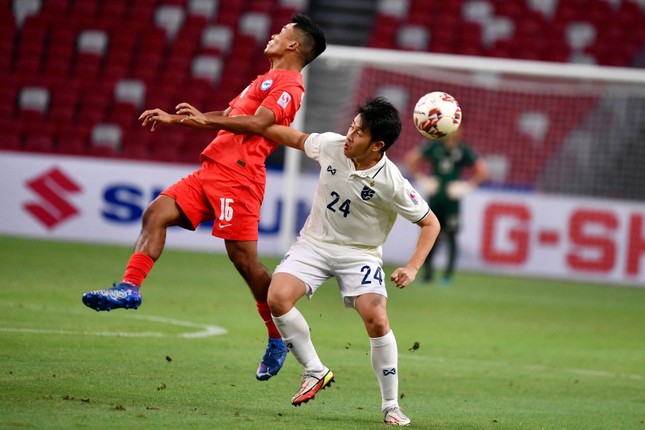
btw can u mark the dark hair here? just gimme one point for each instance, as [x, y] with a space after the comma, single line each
[382, 119]
[313, 40]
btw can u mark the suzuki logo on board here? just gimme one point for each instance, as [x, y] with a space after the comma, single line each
[52, 208]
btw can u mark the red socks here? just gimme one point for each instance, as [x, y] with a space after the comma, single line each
[265, 313]
[138, 267]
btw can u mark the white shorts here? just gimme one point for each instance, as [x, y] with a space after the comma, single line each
[357, 272]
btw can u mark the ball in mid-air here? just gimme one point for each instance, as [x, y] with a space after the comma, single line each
[437, 115]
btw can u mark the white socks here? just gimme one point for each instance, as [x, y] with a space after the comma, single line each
[385, 365]
[384, 352]
[295, 332]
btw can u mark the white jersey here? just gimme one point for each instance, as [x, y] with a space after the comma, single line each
[356, 208]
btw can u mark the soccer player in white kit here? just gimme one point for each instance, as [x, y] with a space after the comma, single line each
[359, 195]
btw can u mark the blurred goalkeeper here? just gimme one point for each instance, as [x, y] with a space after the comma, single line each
[445, 188]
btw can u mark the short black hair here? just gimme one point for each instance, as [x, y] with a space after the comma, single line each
[313, 40]
[382, 119]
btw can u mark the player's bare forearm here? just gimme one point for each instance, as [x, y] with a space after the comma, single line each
[430, 228]
[155, 117]
[286, 136]
[238, 124]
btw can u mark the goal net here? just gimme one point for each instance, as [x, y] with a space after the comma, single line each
[554, 128]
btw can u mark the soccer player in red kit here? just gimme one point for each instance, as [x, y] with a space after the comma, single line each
[229, 187]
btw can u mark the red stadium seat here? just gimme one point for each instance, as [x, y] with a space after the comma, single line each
[10, 141]
[39, 143]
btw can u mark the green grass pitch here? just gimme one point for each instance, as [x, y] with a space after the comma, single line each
[493, 352]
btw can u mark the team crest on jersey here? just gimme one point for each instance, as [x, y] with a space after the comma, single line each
[266, 84]
[367, 193]
[284, 99]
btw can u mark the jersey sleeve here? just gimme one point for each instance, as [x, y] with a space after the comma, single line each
[284, 100]
[408, 202]
[312, 146]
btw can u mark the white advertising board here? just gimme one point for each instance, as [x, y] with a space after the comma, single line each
[524, 234]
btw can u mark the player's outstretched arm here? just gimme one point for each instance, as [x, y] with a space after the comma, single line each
[286, 136]
[154, 117]
[403, 276]
[238, 124]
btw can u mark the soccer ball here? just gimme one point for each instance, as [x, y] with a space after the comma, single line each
[437, 115]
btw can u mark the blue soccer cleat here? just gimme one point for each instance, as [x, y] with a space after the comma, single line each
[272, 360]
[123, 295]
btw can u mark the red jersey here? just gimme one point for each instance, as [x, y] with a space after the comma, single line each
[278, 90]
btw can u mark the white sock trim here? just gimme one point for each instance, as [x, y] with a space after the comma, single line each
[378, 342]
[293, 313]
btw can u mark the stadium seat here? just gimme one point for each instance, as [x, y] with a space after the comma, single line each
[257, 25]
[55, 10]
[24, 8]
[7, 36]
[266, 7]
[399, 96]
[170, 18]
[580, 35]
[299, 5]
[63, 105]
[205, 8]
[86, 9]
[135, 143]
[39, 143]
[8, 96]
[384, 32]
[108, 135]
[93, 106]
[30, 48]
[140, 13]
[495, 29]
[206, 67]
[71, 143]
[114, 9]
[217, 39]
[395, 8]
[479, 11]
[10, 141]
[413, 38]
[60, 52]
[92, 42]
[132, 91]
[34, 99]
[230, 15]
[545, 7]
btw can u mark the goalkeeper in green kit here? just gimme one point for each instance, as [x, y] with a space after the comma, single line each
[448, 158]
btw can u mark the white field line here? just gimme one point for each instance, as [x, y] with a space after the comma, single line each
[530, 367]
[200, 330]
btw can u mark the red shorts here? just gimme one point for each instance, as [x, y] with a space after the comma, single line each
[213, 194]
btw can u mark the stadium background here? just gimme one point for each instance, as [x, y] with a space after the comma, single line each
[76, 74]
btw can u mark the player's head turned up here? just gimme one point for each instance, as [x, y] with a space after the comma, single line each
[311, 37]
[382, 119]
